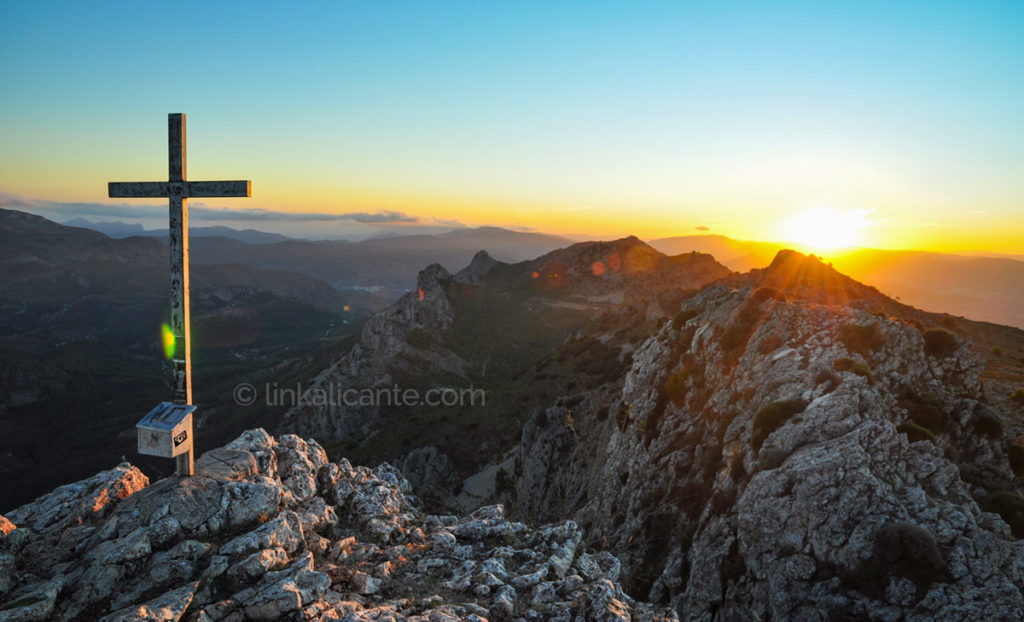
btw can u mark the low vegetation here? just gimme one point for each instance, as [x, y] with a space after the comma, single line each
[683, 317]
[1010, 506]
[987, 423]
[903, 550]
[675, 386]
[735, 338]
[939, 343]
[1018, 396]
[622, 417]
[856, 366]
[772, 417]
[861, 338]
[1016, 456]
[924, 412]
[420, 339]
[914, 432]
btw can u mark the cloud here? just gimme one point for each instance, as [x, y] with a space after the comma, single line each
[702, 228]
[199, 211]
[8, 199]
[259, 214]
[521, 228]
[444, 222]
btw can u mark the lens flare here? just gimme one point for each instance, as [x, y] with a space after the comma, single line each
[168, 340]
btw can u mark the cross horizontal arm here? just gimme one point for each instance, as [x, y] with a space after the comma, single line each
[137, 189]
[152, 189]
[219, 188]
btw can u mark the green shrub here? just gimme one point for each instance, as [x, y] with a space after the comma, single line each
[856, 366]
[924, 412]
[736, 336]
[988, 423]
[939, 343]
[675, 386]
[1018, 396]
[622, 417]
[997, 351]
[1011, 507]
[771, 418]
[1016, 456]
[902, 550]
[683, 317]
[766, 293]
[915, 432]
[861, 339]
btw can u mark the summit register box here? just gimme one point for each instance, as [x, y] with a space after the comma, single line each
[166, 431]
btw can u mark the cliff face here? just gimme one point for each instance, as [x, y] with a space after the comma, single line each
[270, 530]
[783, 449]
[383, 349]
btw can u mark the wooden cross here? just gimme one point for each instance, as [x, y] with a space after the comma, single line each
[178, 190]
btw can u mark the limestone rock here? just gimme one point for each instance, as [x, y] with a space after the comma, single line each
[315, 541]
[756, 463]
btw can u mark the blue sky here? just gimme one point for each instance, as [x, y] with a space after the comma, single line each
[587, 118]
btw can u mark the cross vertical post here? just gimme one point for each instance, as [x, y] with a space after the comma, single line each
[177, 189]
[178, 231]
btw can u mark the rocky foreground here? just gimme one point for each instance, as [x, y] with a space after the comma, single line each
[270, 530]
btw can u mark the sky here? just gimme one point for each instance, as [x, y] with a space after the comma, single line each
[901, 124]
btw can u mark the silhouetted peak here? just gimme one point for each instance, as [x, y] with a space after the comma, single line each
[808, 277]
[478, 268]
[431, 275]
[481, 257]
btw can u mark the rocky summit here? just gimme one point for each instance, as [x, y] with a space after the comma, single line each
[793, 445]
[269, 529]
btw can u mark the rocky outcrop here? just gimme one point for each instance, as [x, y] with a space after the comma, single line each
[269, 529]
[340, 402]
[780, 449]
[474, 273]
[427, 469]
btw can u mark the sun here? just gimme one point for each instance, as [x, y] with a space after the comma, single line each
[824, 229]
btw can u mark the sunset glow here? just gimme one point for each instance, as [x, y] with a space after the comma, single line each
[825, 229]
[589, 121]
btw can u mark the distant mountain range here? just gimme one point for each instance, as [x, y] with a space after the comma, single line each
[979, 286]
[118, 229]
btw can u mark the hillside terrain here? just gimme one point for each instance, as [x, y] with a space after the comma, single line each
[80, 354]
[660, 437]
[505, 330]
[718, 399]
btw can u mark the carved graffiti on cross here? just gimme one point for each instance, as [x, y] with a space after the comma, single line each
[178, 190]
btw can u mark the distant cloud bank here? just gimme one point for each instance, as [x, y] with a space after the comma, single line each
[199, 211]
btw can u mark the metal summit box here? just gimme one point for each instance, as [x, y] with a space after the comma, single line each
[167, 430]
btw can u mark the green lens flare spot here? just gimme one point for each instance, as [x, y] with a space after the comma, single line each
[168, 340]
